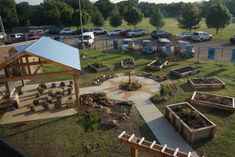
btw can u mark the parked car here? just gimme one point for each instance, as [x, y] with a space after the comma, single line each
[165, 47]
[136, 32]
[36, 31]
[53, 30]
[124, 32]
[66, 31]
[33, 36]
[157, 34]
[232, 40]
[184, 49]
[201, 36]
[79, 31]
[184, 35]
[114, 32]
[2, 35]
[98, 31]
[147, 46]
[59, 38]
[16, 37]
[127, 44]
[88, 38]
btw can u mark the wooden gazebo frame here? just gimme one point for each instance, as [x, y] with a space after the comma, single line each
[152, 148]
[21, 64]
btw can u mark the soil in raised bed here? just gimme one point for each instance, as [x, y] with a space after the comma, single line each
[214, 99]
[99, 65]
[206, 81]
[158, 63]
[185, 69]
[191, 117]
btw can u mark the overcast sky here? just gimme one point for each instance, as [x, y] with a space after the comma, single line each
[33, 2]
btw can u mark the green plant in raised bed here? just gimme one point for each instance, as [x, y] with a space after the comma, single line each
[130, 86]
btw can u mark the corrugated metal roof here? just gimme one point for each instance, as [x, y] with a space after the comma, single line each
[56, 51]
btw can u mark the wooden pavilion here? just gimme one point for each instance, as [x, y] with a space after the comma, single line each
[23, 61]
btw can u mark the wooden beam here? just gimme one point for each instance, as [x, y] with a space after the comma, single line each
[134, 152]
[18, 78]
[76, 87]
[176, 151]
[132, 136]
[35, 63]
[141, 141]
[37, 69]
[17, 69]
[120, 136]
[163, 149]
[153, 143]
[28, 66]
[13, 58]
[6, 84]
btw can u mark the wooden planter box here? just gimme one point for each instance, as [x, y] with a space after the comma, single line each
[125, 66]
[195, 101]
[105, 68]
[156, 65]
[185, 71]
[191, 135]
[217, 84]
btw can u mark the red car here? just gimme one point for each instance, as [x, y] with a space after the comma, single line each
[124, 32]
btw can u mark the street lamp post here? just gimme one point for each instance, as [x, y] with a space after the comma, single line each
[81, 24]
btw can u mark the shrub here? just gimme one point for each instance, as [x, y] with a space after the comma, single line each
[98, 65]
[91, 120]
[130, 86]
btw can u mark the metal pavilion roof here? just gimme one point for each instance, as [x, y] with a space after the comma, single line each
[52, 50]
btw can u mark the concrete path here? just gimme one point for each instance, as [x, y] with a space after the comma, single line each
[161, 128]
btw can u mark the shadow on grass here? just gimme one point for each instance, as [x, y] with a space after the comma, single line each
[146, 132]
[110, 58]
[200, 143]
[34, 127]
[172, 65]
[186, 88]
[219, 113]
[216, 72]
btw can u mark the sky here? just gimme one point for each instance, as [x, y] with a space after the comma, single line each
[35, 2]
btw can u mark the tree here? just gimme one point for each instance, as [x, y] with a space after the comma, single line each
[76, 18]
[105, 7]
[97, 18]
[133, 16]
[67, 16]
[8, 13]
[157, 19]
[190, 16]
[116, 18]
[24, 12]
[218, 17]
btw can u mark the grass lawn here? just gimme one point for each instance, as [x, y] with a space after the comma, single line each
[224, 143]
[171, 25]
[67, 135]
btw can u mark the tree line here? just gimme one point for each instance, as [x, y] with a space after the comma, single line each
[66, 13]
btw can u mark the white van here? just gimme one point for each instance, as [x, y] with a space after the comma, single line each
[88, 38]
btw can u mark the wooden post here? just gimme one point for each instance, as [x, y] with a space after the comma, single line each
[221, 57]
[7, 87]
[134, 152]
[76, 87]
[28, 66]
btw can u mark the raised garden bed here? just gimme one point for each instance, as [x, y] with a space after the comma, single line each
[189, 122]
[185, 71]
[158, 78]
[157, 64]
[206, 83]
[128, 63]
[213, 101]
[98, 67]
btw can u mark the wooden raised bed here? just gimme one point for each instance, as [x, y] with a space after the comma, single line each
[185, 71]
[100, 69]
[192, 129]
[131, 63]
[157, 64]
[206, 83]
[213, 101]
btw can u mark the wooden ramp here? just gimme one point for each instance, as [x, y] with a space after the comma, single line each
[140, 144]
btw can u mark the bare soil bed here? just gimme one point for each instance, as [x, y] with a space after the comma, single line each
[206, 83]
[185, 71]
[157, 64]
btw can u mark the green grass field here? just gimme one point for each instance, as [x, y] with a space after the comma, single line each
[171, 25]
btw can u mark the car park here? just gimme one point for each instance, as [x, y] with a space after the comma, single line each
[53, 30]
[66, 31]
[98, 31]
[160, 34]
[127, 44]
[232, 40]
[88, 38]
[114, 32]
[201, 36]
[124, 32]
[136, 32]
[36, 31]
[147, 46]
[184, 49]
[59, 38]
[79, 31]
[184, 35]
[2, 35]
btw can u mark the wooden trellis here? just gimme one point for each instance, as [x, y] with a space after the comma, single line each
[140, 144]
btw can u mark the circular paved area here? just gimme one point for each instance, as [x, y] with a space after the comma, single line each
[148, 89]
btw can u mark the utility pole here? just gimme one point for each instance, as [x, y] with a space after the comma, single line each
[80, 12]
[3, 30]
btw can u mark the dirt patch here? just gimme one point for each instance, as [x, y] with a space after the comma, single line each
[206, 81]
